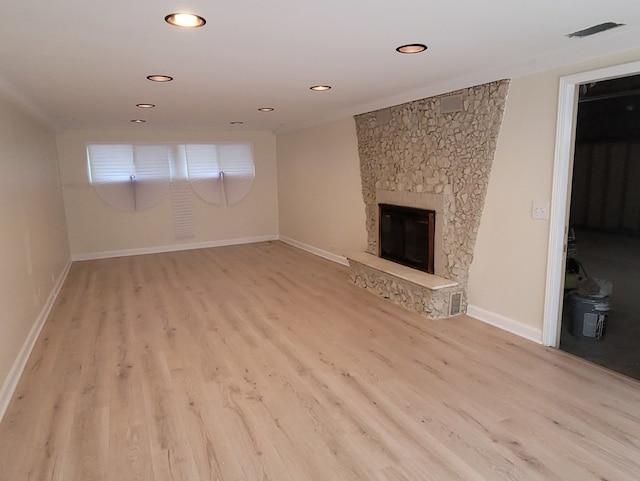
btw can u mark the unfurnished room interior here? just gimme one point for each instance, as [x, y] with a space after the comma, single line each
[281, 241]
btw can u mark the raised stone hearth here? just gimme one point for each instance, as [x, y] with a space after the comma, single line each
[415, 290]
[428, 155]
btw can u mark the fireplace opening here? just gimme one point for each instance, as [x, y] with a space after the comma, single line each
[406, 236]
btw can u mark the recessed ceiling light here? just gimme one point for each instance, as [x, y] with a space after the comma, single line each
[146, 106]
[266, 109]
[320, 88]
[159, 78]
[185, 20]
[138, 121]
[236, 122]
[412, 48]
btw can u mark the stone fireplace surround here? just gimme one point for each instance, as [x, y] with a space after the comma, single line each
[416, 155]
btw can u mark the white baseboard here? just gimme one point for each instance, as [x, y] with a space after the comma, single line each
[11, 382]
[505, 323]
[314, 250]
[172, 248]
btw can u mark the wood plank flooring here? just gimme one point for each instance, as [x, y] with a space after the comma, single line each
[262, 362]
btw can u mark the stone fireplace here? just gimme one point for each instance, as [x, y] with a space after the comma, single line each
[433, 154]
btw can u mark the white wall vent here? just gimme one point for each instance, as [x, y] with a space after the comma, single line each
[451, 104]
[455, 303]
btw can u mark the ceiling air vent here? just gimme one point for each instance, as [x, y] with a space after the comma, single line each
[595, 29]
[451, 104]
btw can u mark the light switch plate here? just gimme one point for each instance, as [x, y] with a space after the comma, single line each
[540, 209]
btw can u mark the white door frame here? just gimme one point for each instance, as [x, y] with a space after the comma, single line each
[561, 191]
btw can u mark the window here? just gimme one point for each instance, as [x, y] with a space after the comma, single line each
[220, 173]
[137, 176]
[129, 177]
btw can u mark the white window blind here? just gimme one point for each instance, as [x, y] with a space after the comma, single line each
[129, 177]
[137, 176]
[220, 173]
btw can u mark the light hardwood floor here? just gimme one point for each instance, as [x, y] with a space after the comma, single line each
[262, 362]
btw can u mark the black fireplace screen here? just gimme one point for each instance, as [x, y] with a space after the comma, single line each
[406, 236]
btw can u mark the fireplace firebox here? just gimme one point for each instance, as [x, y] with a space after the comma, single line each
[406, 236]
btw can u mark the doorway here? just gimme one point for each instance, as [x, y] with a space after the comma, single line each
[560, 202]
[601, 312]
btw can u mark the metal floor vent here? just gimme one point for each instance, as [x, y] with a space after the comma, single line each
[455, 303]
[595, 29]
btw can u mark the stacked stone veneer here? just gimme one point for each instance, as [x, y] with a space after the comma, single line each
[413, 151]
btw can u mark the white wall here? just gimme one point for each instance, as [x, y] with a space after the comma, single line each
[33, 234]
[98, 229]
[319, 188]
[507, 276]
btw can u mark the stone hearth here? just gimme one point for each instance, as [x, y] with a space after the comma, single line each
[418, 291]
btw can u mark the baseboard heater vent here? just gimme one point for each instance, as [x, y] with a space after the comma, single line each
[455, 303]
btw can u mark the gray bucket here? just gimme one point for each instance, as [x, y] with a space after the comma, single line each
[588, 316]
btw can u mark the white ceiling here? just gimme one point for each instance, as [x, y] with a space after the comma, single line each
[83, 64]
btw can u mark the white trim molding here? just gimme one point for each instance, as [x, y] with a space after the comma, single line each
[172, 248]
[314, 250]
[561, 191]
[505, 323]
[11, 382]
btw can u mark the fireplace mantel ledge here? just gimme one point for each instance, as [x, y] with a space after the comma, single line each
[414, 276]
